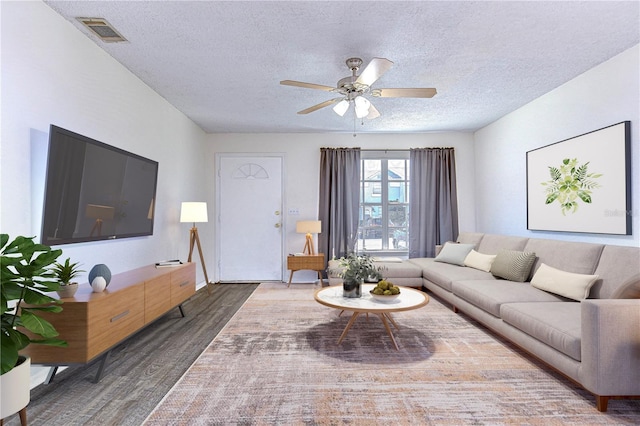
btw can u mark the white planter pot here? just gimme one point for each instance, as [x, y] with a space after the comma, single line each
[15, 392]
[68, 290]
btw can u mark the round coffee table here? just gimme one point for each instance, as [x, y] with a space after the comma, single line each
[408, 299]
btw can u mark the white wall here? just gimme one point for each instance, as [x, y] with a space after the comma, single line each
[53, 74]
[302, 169]
[602, 96]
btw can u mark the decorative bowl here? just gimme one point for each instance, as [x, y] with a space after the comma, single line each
[385, 298]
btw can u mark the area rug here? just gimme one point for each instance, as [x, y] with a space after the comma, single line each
[277, 362]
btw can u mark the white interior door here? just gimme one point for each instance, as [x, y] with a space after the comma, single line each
[250, 237]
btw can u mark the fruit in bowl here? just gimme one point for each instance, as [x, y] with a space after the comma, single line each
[385, 291]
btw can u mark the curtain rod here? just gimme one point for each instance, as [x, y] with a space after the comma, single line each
[384, 150]
[406, 149]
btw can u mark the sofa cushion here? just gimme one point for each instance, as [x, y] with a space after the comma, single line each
[556, 324]
[630, 289]
[567, 284]
[398, 270]
[479, 261]
[443, 274]
[492, 244]
[513, 265]
[581, 258]
[470, 238]
[454, 253]
[488, 295]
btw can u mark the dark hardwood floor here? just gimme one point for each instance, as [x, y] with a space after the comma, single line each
[141, 370]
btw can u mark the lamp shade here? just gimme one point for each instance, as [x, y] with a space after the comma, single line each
[193, 212]
[96, 211]
[341, 107]
[362, 106]
[309, 227]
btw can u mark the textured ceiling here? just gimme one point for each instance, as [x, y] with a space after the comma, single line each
[220, 63]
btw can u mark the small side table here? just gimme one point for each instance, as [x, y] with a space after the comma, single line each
[312, 262]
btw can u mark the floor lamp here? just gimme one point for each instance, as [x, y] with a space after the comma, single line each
[195, 212]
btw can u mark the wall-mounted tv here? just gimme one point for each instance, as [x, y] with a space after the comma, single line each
[94, 191]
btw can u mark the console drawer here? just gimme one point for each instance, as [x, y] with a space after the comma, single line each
[115, 318]
[183, 284]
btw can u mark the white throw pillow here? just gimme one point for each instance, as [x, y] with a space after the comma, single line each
[454, 253]
[567, 284]
[479, 261]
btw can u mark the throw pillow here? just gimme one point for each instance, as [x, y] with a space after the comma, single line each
[454, 253]
[567, 284]
[630, 289]
[479, 261]
[513, 265]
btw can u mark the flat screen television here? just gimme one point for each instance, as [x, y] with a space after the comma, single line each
[94, 191]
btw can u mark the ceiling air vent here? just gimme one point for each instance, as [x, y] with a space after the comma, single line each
[102, 29]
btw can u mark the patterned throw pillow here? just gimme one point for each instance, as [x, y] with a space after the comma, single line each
[513, 265]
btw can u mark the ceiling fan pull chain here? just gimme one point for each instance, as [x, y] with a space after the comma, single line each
[354, 124]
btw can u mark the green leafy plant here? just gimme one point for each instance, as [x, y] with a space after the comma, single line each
[356, 268]
[66, 271]
[570, 183]
[25, 270]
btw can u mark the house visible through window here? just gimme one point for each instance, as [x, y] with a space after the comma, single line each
[384, 203]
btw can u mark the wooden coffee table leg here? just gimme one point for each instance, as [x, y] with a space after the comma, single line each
[349, 324]
[386, 325]
[390, 318]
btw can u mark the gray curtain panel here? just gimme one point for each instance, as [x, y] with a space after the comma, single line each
[339, 200]
[433, 201]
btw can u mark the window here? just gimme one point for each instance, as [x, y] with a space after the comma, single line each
[384, 202]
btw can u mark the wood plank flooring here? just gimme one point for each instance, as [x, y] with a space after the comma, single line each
[141, 370]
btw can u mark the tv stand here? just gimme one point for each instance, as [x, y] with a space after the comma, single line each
[94, 323]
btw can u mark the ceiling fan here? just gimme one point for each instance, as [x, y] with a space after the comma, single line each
[354, 88]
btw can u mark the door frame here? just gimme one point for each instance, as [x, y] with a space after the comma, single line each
[218, 156]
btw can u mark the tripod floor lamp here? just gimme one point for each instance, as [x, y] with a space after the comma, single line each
[195, 212]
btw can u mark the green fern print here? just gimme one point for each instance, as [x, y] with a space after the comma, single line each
[570, 183]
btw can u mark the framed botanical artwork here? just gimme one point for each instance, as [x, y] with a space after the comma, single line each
[582, 184]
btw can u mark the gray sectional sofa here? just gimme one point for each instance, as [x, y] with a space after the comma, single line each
[594, 341]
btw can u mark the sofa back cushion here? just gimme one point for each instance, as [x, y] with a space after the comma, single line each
[579, 258]
[492, 244]
[470, 238]
[617, 266]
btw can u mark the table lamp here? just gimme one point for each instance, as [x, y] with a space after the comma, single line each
[309, 227]
[195, 212]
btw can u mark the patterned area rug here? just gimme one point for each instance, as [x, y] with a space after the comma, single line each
[277, 362]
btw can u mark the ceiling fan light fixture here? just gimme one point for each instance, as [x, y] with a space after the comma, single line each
[362, 106]
[341, 107]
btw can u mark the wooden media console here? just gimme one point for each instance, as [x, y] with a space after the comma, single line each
[93, 323]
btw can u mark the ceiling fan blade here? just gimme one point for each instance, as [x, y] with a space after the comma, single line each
[374, 71]
[320, 105]
[373, 113]
[307, 85]
[404, 93]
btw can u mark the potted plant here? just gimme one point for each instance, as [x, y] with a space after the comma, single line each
[354, 270]
[25, 276]
[65, 272]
